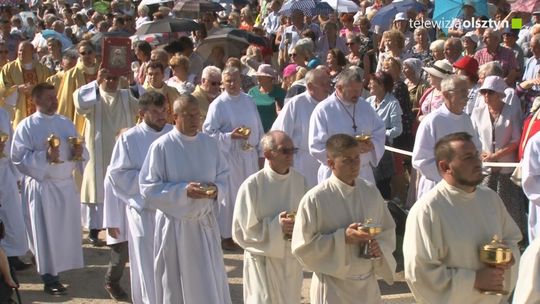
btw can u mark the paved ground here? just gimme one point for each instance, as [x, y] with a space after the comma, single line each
[86, 285]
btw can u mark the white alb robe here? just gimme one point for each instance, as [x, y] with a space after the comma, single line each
[126, 162]
[271, 273]
[339, 274]
[528, 283]
[105, 114]
[54, 204]
[11, 213]
[294, 120]
[188, 259]
[330, 118]
[444, 232]
[433, 127]
[226, 113]
[530, 170]
[114, 212]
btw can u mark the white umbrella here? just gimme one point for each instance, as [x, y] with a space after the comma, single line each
[150, 2]
[343, 6]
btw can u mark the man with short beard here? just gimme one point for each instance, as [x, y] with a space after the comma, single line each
[446, 228]
[17, 78]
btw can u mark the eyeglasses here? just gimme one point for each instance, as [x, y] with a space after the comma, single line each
[487, 92]
[287, 151]
[86, 53]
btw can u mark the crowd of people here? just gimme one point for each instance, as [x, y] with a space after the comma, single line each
[280, 151]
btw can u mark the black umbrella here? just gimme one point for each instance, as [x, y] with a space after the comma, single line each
[168, 25]
[197, 6]
[250, 37]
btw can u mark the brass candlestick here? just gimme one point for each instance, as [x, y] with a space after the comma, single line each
[291, 216]
[373, 230]
[54, 142]
[246, 131]
[495, 253]
[76, 142]
[4, 137]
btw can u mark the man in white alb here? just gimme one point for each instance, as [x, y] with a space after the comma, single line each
[54, 204]
[294, 120]
[229, 112]
[449, 118]
[126, 162]
[183, 177]
[326, 238]
[447, 227]
[262, 227]
[346, 112]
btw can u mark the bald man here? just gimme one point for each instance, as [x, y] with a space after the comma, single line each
[18, 77]
[261, 225]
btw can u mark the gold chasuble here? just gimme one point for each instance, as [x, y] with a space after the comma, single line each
[73, 79]
[11, 76]
[170, 94]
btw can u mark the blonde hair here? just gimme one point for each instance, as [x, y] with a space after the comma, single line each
[300, 73]
[179, 60]
[397, 36]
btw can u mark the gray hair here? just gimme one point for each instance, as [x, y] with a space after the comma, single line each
[454, 43]
[143, 9]
[450, 83]
[415, 64]
[493, 34]
[437, 45]
[268, 141]
[349, 75]
[211, 71]
[230, 70]
[184, 100]
[311, 75]
[492, 68]
[535, 38]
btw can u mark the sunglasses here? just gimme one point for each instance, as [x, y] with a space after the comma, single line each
[287, 151]
[86, 53]
[487, 92]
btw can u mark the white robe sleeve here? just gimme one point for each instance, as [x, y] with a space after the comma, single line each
[125, 175]
[423, 158]
[285, 119]
[25, 158]
[85, 98]
[262, 236]
[430, 279]
[318, 135]
[530, 166]
[113, 208]
[213, 126]
[528, 284]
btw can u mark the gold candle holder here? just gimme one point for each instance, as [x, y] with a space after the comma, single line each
[54, 142]
[208, 189]
[246, 131]
[373, 230]
[495, 253]
[76, 142]
[291, 216]
[4, 137]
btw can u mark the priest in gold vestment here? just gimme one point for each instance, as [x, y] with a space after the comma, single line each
[84, 72]
[17, 78]
[107, 109]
